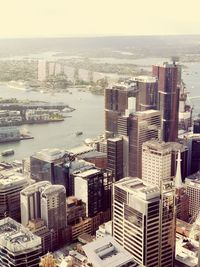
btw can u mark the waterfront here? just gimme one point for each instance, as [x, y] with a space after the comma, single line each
[88, 116]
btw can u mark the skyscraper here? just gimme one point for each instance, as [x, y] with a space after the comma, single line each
[147, 93]
[51, 165]
[53, 206]
[168, 90]
[143, 126]
[116, 102]
[11, 183]
[30, 199]
[156, 161]
[89, 188]
[18, 246]
[115, 157]
[143, 221]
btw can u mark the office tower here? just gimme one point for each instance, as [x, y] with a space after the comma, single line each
[30, 199]
[51, 165]
[143, 126]
[115, 157]
[196, 126]
[89, 187]
[156, 161]
[11, 183]
[144, 221]
[168, 95]
[192, 184]
[185, 110]
[147, 93]
[53, 206]
[192, 141]
[75, 210]
[18, 246]
[116, 102]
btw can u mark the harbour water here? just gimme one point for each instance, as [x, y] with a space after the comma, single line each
[87, 118]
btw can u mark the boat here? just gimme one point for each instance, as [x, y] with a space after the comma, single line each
[79, 133]
[7, 152]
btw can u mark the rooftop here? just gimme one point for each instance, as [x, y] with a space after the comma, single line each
[80, 149]
[155, 144]
[87, 173]
[92, 154]
[187, 252]
[138, 188]
[10, 178]
[50, 154]
[107, 252]
[55, 188]
[145, 79]
[15, 237]
[35, 188]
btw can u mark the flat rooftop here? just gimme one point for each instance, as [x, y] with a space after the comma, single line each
[187, 252]
[87, 173]
[107, 252]
[146, 79]
[10, 178]
[50, 154]
[39, 186]
[138, 188]
[155, 144]
[80, 149]
[15, 237]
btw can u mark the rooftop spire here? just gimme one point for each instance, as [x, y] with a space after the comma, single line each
[178, 178]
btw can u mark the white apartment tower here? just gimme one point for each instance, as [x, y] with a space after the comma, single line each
[143, 221]
[156, 161]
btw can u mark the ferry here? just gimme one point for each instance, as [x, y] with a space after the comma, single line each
[79, 133]
[7, 152]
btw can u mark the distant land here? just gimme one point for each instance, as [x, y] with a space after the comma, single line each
[187, 47]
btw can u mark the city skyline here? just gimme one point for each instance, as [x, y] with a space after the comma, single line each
[73, 18]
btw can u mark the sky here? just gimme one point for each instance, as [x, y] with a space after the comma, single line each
[60, 18]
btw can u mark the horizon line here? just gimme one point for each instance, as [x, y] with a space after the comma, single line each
[97, 36]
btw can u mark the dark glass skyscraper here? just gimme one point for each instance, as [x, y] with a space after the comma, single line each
[168, 77]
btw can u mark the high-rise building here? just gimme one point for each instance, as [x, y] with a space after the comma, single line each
[147, 93]
[115, 157]
[116, 102]
[18, 246]
[53, 206]
[11, 183]
[89, 187]
[196, 126]
[156, 161]
[192, 141]
[143, 126]
[168, 103]
[51, 165]
[144, 221]
[192, 184]
[30, 199]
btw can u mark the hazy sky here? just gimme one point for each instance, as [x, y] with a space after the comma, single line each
[32, 18]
